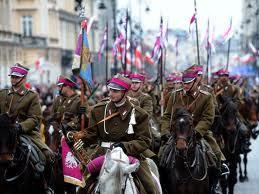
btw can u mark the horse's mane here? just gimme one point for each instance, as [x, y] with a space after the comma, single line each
[229, 106]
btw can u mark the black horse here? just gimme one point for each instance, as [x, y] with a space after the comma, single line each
[234, 135]
[18, 172]
[183, 167]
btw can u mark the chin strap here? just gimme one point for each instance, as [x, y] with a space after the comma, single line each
[14, 85]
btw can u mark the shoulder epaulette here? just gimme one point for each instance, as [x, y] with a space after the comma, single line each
[29, 90]
[102, 103]
[178, 90]
[204, 92]
[133, 100]
[208, 86]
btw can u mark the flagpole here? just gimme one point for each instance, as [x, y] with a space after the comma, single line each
[106, 53]
[208, 51]
[124, 66]
[197, 38]
[229, 43]
[161, 67]
[161, 82]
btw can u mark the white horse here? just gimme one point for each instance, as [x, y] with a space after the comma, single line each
[115, 175]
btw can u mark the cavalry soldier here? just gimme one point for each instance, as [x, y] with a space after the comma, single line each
[225, 88]
[145, 101]
[67, 107]
[66, 112]
[24, 103]
[121, 124]
[173, 83]
[200, 104]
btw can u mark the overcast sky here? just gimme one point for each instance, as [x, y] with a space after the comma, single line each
[179, 12]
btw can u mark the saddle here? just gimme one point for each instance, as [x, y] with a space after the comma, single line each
[36, 158]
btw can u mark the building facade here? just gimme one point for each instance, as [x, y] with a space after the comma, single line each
[41, 34]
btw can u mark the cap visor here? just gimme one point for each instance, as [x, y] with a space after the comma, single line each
[136, 80]
[16, 74]
[188, 80]
[115, 86]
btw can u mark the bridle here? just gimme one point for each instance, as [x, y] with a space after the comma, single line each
[190, 140]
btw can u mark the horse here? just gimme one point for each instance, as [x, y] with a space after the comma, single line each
[18, 174]
[234, 133]
[115, 173]
[248, 112]
[183, 166]
[53, 140]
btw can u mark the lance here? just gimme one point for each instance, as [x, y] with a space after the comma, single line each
[208, 51]
[197, 38]
[124, 67]
[229, 43]
[106, 52]
[161, 86]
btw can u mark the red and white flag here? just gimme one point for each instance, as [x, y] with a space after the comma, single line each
[192, 20]
[228, 33]
[148, 58]
[248, 58]
[138, 57]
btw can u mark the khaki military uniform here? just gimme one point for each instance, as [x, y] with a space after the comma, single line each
[145, 101]
[115, 130]
[229, 90]
[200, 105]
[66, 110]
[25, 105]
[167, 92]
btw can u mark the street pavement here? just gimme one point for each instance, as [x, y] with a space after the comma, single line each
[252, 186]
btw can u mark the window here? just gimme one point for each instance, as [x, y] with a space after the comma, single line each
[27, 25]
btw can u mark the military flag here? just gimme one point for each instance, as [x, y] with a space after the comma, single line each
[81, 62]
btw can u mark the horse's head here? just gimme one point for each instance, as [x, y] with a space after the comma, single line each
[115, 172]
[229, 112]
[8, 137]
[183, 128]
[248, 111]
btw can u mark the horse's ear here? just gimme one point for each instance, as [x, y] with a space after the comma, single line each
[131, 168]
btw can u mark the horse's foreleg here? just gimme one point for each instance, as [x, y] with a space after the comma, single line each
[232, 178]
[245, 167]
[241, 177]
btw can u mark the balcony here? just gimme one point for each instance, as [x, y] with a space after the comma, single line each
[34, 42]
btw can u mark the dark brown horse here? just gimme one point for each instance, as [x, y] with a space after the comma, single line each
[234, 134]
[183, 167]
[248, 112]
[17, 170]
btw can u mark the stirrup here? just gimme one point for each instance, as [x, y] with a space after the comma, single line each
[224, 169]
